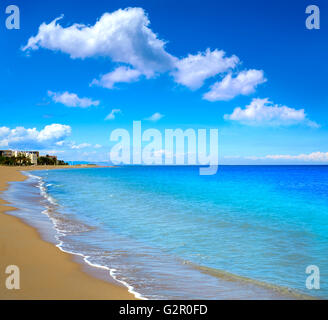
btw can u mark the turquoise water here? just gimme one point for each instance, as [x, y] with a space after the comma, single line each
[152, 226]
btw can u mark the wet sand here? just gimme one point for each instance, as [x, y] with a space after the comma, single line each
[45, 271]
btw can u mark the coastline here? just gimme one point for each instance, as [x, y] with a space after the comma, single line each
[45, 271]
[30, 213]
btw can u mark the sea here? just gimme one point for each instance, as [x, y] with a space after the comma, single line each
[167, 232]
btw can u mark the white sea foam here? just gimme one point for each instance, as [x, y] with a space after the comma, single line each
[60, 232]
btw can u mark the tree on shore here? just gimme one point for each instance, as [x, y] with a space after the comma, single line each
[49, 161]
[20, 160]
[46, 161]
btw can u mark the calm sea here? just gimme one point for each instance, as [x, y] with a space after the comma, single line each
[248, 232]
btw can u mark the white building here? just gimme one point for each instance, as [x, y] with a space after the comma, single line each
[32, 155]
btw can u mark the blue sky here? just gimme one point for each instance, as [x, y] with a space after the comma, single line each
[192, 66]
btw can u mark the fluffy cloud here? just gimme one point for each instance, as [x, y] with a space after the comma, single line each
[123, 36]
[193, 70]
[111, 116]
[4, 131]
[21, 137]
[244, 84]
[72, 100]
[120, 74]
[155, 117]
[264, 112]
[311, 157]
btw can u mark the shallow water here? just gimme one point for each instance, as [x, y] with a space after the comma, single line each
[153, 227]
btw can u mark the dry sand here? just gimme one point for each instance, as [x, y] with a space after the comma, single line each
[45, 271]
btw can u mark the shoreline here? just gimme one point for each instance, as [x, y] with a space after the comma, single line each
[99, 275]
[45, 272]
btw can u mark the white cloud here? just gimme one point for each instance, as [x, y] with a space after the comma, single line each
[76, 146]
[264, 112]
[81, 146]
[52, 151]
[244, 84]
[120, 74]
[193, 70]
[155, 117]
[21, 137]
[54, 132]
[72, 100]
[61, 143]
[311, 157]
[123, 36]
[4, 131]
[111, 116]
[314, 156]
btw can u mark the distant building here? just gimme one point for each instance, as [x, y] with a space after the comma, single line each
[32, 155]
[6, 153]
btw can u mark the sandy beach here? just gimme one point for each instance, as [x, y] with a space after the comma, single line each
[45, 271]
